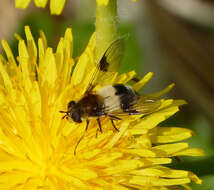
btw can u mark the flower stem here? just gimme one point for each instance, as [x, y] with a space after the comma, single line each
[106, 26]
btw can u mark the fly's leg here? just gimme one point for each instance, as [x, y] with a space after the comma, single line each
[86, 128]
[114, 117]
[112, 122]
[96, 133]
[99, 124]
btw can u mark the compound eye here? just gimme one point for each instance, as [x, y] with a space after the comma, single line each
[71, 104]
[76, 117]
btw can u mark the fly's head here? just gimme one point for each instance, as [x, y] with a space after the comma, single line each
[73, 112]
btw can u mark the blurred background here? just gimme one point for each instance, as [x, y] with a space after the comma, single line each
[173, 39]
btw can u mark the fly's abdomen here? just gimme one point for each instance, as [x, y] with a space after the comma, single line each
[128, 97]
[117, 97]
[111, 101]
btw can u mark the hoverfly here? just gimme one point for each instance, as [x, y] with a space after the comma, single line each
[112, 101]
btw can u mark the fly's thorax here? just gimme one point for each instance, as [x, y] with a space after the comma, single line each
[90, 105]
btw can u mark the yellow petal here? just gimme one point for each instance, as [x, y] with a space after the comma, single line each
[162, 92]
[107, 159]
[194, 178]
[156, 161]
[81, 173]
[57, 6]
[160, 171]
[76, 183]
[190, 152]
[7, 82]
[68, 43]
[169, 134]
[41, 3]
[169, 149]
[155, 181]
[170, 173]
[47, 70]
[21, 3]
[140, 152]
[150, 121]
[24, 63]
[44, 40]
[41, 48]
[8, 52]
[142, 82]
[119, 187]
[125, 77]
[123, 166]
[32, 50]
[91, 154]
[118, 135]
[17, 36]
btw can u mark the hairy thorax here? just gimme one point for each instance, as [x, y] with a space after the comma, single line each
[91, 105]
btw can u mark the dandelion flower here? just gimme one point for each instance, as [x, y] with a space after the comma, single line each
[36, 145]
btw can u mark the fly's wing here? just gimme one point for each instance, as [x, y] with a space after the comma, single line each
[146, 105]
[143, 105]
[112, 58]
[108, 64]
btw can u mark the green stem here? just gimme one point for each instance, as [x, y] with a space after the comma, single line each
[106, 27]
